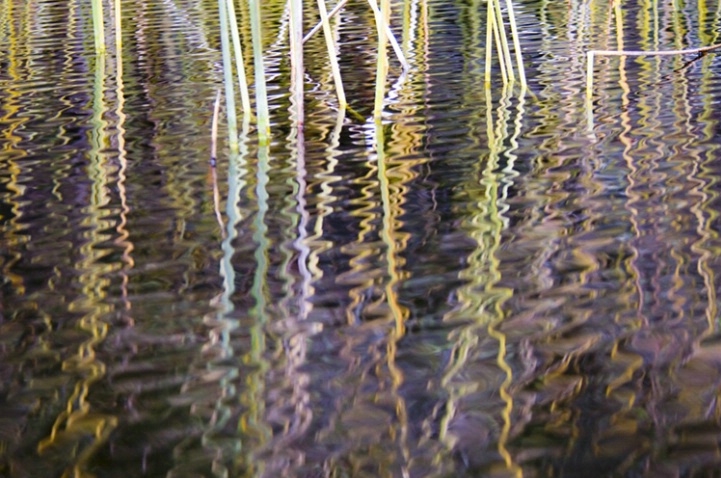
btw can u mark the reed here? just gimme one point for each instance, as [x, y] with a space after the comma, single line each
[228, 76]
[239, 61]
[214, 162]
[383, 24]
[331, 47]
[296, 59]
[504, 49]
[381, 14]
[592, 54]
[516, 43]
[261, 94]
[320, 24]
[496, 34]
[98, 26]
[118, 28]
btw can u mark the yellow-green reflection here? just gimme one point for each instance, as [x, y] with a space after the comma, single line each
[11, 150]
[78, 422]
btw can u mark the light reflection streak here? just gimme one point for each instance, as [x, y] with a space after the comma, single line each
[398, 313]
[78, 421]
[12, 152]
[252, 422]
[123, 234]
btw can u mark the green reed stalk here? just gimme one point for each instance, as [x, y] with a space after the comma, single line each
[493, 25]
[261, 94]
[504, 41]
[516, 44]
[296, 59]
[386, 26]
[382, 61]
[239, 61]
[332, 55]
[98, 26]
[228, 76]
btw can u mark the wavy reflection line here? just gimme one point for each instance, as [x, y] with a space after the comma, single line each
[704, 212]
[362, 274]
[252, 422]
[226, 324]
[502, 294]
[12, 152]
[629, 362]
[407, 143]
[399, 314]
[326, 197]
[480, 298]
[77, 421]
[123, 239]
[291, 327]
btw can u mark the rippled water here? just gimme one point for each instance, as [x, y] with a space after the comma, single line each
[484, 284]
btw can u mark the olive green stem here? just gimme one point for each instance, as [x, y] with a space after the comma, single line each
[261, 93]
[98, 26]
[228, 77]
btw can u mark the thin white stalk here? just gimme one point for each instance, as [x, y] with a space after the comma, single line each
[504, 41]
[516, 43]
[319, 25]
[239, 61]
[296, 59]
[385, 26]
[332, 55]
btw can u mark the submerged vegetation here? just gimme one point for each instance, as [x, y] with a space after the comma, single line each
[427, 269]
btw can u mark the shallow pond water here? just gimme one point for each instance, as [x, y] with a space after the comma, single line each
[484, 283]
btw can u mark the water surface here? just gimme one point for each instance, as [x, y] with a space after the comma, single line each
[483, 283]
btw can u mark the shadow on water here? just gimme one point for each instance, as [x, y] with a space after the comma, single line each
[473, 283]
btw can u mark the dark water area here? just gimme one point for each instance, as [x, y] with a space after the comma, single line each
[484, 283]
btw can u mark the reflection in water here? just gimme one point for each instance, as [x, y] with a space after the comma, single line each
[469, 284]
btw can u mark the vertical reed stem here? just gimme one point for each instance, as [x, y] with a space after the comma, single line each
[389, 33]
[296, 58]
[332, 55]
[98, 26]
[261, 94]
[381, 15]
[239, 61]
[506, 52]
[489, 43]
[118, 29]
[228, 77]
[516, 43]
[497, 35]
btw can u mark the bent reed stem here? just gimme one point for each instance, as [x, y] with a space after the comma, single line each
[591, 54]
